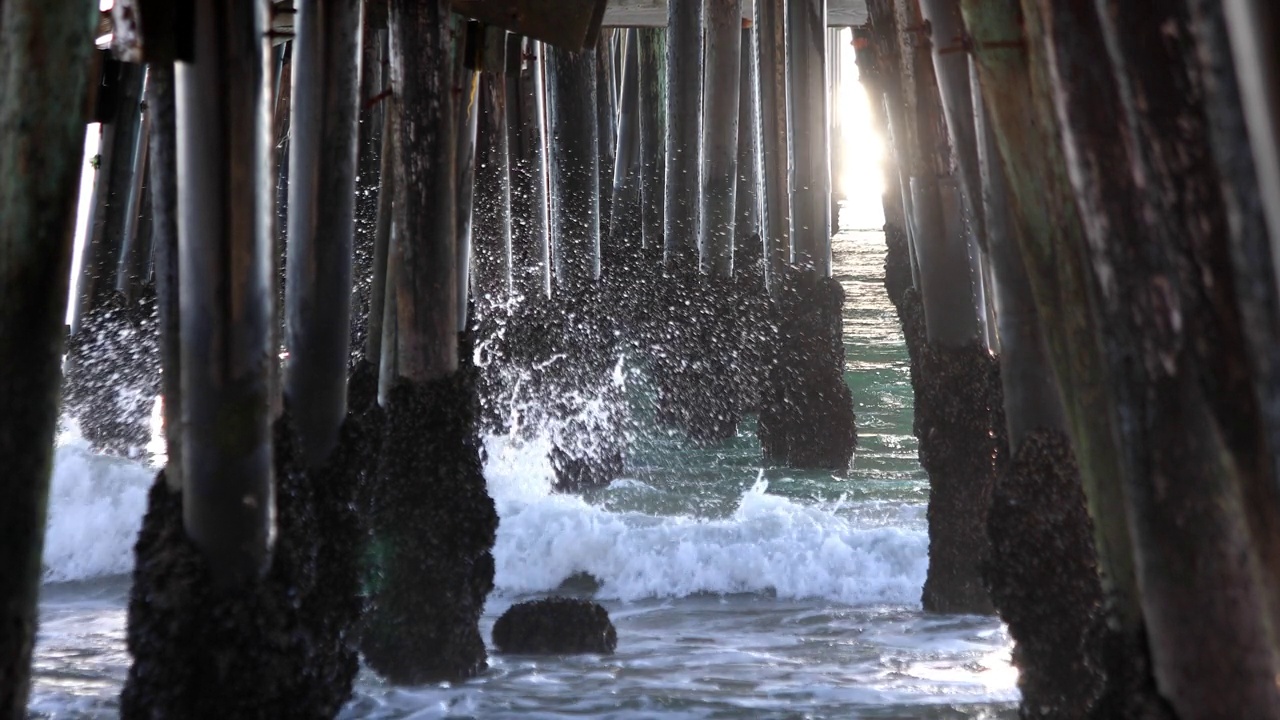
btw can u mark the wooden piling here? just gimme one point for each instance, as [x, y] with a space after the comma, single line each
[951, 67]
[951, 315]
[810, 144]
[322, 153]
[748, 248]
[1046, 221]
[108, 216]
[425, 224]
[45, 48]
[428, 491]
[771, 51]
[492, 230]
[1252, 252]
[1031, 397]
[834, 131]
[1038, 517]
[1202, 500]
[468, 93]
[721, 84]
[653, 140]
[1253, 26]
[626, 232]
[381, 291]
[684, 128]
[282, 65]
[530, 239]
[163, 179]
[366, 273]
[135, 246]
[572, 125]
[225, 250]
[607, 118]
[954, 377]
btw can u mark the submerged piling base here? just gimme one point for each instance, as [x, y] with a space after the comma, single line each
[1043, 576]
[806, 413]
[283, 646]
[955, 392]
[433, 529]
[113, 375]
[1043, 579]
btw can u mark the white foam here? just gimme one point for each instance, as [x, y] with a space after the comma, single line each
[768, 544]
[96, 504]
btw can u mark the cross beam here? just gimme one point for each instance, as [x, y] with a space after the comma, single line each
[653, 13]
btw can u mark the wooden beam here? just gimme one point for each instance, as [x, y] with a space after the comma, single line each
[569, 24]
[653, 13]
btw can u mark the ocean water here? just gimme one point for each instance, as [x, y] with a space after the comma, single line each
[737, 591]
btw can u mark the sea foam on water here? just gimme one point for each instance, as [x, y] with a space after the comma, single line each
[96, 504]
[770, 544]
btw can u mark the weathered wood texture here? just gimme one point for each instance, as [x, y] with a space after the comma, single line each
[365, 257]
[380, 319]
[946, 284]
[771, 54]
[1253, 26]
[747, 246]
[1047, 226]
[721, 84]
[164, 204]
[1253, 254]
[468, 109]
[684, 124]
[491, 231]
[653, 141]
[574, 186]
[653, 13]
[606, 120]
[225, 160]
[951, 67]
[1199, 481]
[424, 234]
[135, 247]
[810, 136]
[107, 219]
[322, 153]
[568, 24]
[530, 232]
[1031, 398]
[626, 232]
[45, 48]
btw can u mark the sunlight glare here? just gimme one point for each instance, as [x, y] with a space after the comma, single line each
[862, 178]
[88, 176]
